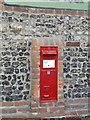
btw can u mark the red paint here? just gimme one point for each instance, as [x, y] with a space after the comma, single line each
[48, 73]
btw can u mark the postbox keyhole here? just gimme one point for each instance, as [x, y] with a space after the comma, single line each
[48, 72]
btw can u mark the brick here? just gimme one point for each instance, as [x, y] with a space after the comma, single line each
[60, 113]
[35, 89]
[35, 65]
[40, 42]
[44, 11]
[49, 104]
[1, 1]
[10, 110]
[20, 103]
[60, 48]
[46, 42]
[4, 111]
[73, 12]
[62, 108]
[61, 98]
[8, 8]
[61, 86]
[73, 118]
[34, 53]
[35, 71]
[46, 115]
[67, 12]
[70, 113]
[7, 103]
[35, 81]
[29, 10]
[35, 76]
[34, 110]
[60, 57]
[67, 107]
[35, 59]
[82, 112]
[46, 104]
[40, 10]
[1, 7]
[79, 107]
[24, 109]
[69, 101]
[86, 13]
[1, 117]
[81, 13]
[59, 43]
[42, 110]
[35, 98]
[42, 104]
[82, 100]
[35, 48]
[61, 92]
[34, 41]
[60, 68]
[60, 63]
[32, 10]
[20, 9]
[16, 116]
[49, 11]
[34, 104]
[58, 11]
[61, 75]
[52, 109]
[61, 80]
[73, 44]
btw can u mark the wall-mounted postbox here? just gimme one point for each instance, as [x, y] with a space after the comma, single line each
[48, 73]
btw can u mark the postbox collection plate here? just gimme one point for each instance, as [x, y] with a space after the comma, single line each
[48, 63]
[48, 73]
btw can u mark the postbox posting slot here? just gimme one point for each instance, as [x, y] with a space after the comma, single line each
[49, 52]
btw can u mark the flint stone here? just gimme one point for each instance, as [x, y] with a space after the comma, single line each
[3, 77]
[7, 58]
[22, 58]
[15, 64]
[9, 70]
[81, 59]
[5, 83]
[7, 64]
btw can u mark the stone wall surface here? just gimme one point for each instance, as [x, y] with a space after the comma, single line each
[22, 31]
[17, 30]
[14, 59]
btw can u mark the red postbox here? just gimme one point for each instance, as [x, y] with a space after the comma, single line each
[48, 73]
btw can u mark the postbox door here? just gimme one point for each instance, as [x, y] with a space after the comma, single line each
[48, 75]
[48, 85]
